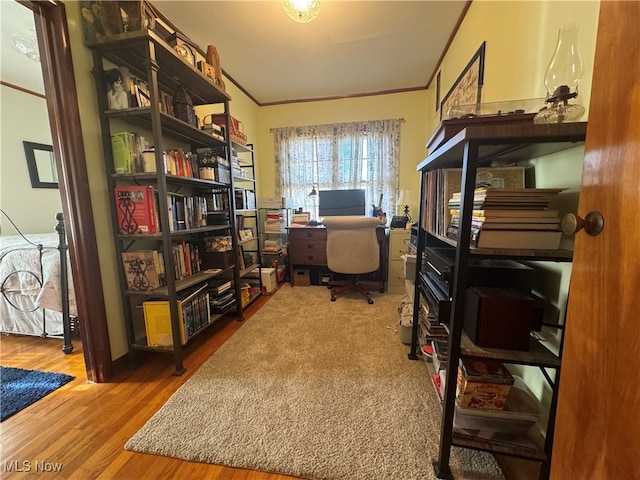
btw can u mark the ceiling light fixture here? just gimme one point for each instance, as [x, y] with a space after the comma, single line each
[26, 45]
[302, 11]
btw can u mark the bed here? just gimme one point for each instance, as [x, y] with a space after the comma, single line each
[36, 289]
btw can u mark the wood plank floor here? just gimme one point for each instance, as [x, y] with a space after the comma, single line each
[83, 426]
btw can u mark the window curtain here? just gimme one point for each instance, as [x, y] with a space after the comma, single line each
[338, 156]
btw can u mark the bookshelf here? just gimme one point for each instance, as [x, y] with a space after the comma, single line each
[176, 287]
[470, 149]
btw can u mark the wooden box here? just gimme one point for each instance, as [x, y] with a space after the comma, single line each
[499, 317]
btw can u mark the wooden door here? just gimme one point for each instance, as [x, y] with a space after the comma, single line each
[598, 420]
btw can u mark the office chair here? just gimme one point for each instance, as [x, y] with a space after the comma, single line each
[352, 249]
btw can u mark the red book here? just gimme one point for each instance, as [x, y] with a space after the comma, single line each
[136, 208]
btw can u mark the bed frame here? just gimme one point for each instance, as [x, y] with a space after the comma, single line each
[69, 322]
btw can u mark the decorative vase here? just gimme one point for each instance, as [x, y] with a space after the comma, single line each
[213, 59]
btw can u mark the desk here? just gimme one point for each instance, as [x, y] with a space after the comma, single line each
[308, 248]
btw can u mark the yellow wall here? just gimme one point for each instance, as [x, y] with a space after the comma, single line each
[520, 39]
[33, 210]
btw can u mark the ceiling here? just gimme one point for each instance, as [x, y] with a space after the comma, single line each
[353, 48]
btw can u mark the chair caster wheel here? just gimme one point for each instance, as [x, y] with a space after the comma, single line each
[381, 290]
[370, 302]
[333, 299]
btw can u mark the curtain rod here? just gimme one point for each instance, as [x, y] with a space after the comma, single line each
[401, 120]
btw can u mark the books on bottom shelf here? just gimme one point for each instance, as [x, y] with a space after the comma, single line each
[193, 315]
[221, 302]
[510, 239]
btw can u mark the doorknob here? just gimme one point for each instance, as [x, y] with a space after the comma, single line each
[593, 223]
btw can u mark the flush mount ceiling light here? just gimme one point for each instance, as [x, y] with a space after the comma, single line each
[26, 45]
[302, 11]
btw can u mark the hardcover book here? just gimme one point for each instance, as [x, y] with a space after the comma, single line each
[142, 269]
[136, 209]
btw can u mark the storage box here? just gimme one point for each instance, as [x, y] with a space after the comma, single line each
[409, 265]
[212, 158]
[302, 278]
[522, 410]
[217, 259]
[268, 277]
[499, 317]
[221, 243]
[482, 383]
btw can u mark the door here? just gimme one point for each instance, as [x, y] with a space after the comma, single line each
[597, 431]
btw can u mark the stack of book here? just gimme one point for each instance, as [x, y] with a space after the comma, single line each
[510, 218]
[275, 222]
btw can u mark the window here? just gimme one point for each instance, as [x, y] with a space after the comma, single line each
[338, 156]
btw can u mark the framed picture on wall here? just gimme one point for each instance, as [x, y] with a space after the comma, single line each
[467, 89]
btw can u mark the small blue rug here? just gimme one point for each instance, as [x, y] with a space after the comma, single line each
[20, 388]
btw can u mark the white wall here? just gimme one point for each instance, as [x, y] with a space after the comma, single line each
[24, 117]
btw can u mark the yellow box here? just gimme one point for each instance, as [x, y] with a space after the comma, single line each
[157, 322]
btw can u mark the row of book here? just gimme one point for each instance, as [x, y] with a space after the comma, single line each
[145, 269]
[132, 154]
[245, 199]
[441, 184]
[510, 218]
[138, 212]
[194, 314]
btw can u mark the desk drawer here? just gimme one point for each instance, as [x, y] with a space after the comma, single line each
[308, 246]
[309, 252]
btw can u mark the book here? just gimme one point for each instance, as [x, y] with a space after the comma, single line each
[142, 270]
[497, 213]
[510, 239]
[136, 209]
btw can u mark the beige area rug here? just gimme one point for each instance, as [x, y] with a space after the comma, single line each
[315, 389]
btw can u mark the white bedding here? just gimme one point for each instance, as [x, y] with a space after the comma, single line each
[31, 301]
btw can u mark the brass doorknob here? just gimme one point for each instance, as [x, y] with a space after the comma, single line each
[593, 223]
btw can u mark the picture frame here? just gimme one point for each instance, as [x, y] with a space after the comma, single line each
[467, 89]
[118, 81]
[246, 234]
[41, 164]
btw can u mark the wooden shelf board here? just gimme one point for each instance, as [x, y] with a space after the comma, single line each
[487, 445]
[538, 354]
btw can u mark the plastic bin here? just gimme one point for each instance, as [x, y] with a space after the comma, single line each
[521, 412]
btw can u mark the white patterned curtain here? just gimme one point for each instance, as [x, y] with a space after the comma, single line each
[338, 156]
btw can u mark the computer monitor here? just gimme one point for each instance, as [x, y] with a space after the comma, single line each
[341, 202]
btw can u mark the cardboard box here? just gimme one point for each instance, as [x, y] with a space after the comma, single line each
[482, 383]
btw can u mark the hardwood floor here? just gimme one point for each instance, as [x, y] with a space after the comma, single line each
[82, 427]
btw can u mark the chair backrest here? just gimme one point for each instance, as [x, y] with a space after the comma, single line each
[352, 244]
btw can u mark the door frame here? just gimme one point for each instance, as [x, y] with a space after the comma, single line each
[64, 118]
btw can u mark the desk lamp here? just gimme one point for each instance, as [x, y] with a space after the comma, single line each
[405, 198]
